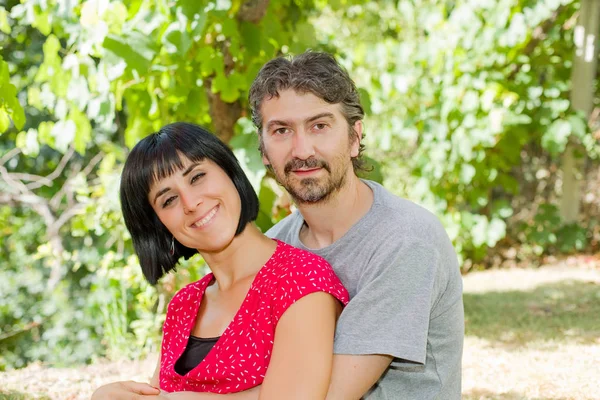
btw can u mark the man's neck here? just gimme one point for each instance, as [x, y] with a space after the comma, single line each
[326, 222]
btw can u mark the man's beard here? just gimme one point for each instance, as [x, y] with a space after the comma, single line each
[311, 190]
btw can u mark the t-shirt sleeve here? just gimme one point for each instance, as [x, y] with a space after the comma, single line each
[390, 312]
[302, 275]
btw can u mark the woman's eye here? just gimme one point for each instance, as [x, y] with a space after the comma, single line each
[197, 176]
[168, 201]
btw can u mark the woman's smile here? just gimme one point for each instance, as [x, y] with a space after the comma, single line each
[203, 221]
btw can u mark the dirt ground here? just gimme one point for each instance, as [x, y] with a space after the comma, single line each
[558, 370]
[538, 370]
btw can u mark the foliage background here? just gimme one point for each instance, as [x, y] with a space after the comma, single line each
[468, 113]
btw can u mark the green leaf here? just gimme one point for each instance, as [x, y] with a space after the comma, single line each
[135, 48]
[42, 22]
[226, 87]
[229, 27]
[467, 172]
[191, 8]
[266, 198]
[45, 133]
[251, 38]
[579, 126]
[83, 132]
[365, 100]
[176, 39]
[4, 25]
[4, 120]
[374, 172]
[28, 142]
[556, 137]
[495, 232]
[18, 114]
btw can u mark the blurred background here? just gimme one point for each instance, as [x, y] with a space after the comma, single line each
[484, 111]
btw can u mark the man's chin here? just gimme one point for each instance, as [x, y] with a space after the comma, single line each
[307, 198]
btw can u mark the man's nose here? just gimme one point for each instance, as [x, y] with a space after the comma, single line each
[302, 146]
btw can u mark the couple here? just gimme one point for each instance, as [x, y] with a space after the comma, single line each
[267, 322]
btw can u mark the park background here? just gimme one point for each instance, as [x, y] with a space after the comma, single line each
[484, 111]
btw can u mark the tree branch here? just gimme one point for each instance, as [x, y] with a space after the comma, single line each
[253, 11]
[9, 155]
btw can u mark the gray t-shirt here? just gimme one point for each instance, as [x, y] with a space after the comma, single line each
[402, 274]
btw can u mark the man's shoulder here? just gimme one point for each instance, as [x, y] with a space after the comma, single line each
[298, 258]
[284, 228]
[402, 216]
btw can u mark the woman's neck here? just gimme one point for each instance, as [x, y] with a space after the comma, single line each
[242, 258]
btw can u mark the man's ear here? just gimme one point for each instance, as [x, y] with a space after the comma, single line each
[355, 145]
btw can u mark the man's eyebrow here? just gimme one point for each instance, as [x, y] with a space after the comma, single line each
[277, 122]
[321, 115]
[280, 122]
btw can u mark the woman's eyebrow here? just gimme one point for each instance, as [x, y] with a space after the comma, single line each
[160, 193]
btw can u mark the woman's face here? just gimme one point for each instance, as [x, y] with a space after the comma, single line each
[198, 204]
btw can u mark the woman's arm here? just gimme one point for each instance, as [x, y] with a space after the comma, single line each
[155, 381]
[301, 362]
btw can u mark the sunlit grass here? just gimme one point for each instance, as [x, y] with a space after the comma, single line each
[565, 311]
[12, 395]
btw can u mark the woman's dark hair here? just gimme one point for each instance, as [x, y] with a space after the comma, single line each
[156, 157]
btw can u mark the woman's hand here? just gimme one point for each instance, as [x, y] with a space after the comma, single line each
[128, 390]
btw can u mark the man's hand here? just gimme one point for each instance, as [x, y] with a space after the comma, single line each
[128, 390]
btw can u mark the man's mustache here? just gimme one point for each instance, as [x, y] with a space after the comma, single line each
[309, 163]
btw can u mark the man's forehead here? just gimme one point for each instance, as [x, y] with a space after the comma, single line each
[295, 105]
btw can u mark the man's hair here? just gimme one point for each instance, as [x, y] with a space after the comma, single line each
[310, 72]
[156, 157]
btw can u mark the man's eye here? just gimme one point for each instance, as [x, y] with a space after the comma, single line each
[320, 127]
[197, 176]
[281, 131]
[168, 201]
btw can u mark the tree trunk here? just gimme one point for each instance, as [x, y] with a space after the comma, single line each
[225, 115]
[582, 92]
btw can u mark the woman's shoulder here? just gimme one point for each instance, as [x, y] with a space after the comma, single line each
[294, 260]
[191, 290]
[296, 273]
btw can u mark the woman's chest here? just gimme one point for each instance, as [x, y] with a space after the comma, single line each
[239, 359]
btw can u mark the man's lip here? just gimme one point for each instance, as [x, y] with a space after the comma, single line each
[304, 171]
[193, 224]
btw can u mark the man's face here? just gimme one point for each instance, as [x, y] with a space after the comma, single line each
[306, 142]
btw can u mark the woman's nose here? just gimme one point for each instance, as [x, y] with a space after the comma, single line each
[190, 203]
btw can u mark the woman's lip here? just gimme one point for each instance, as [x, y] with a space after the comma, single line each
[215, 209]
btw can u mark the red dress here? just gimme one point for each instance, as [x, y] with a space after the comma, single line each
[239, 359]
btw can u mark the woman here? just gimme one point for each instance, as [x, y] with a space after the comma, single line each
[264, 304]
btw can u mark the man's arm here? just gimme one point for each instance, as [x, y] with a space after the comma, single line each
[250, 394]
[354, 375]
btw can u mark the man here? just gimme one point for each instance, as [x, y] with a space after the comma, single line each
[401, 335]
